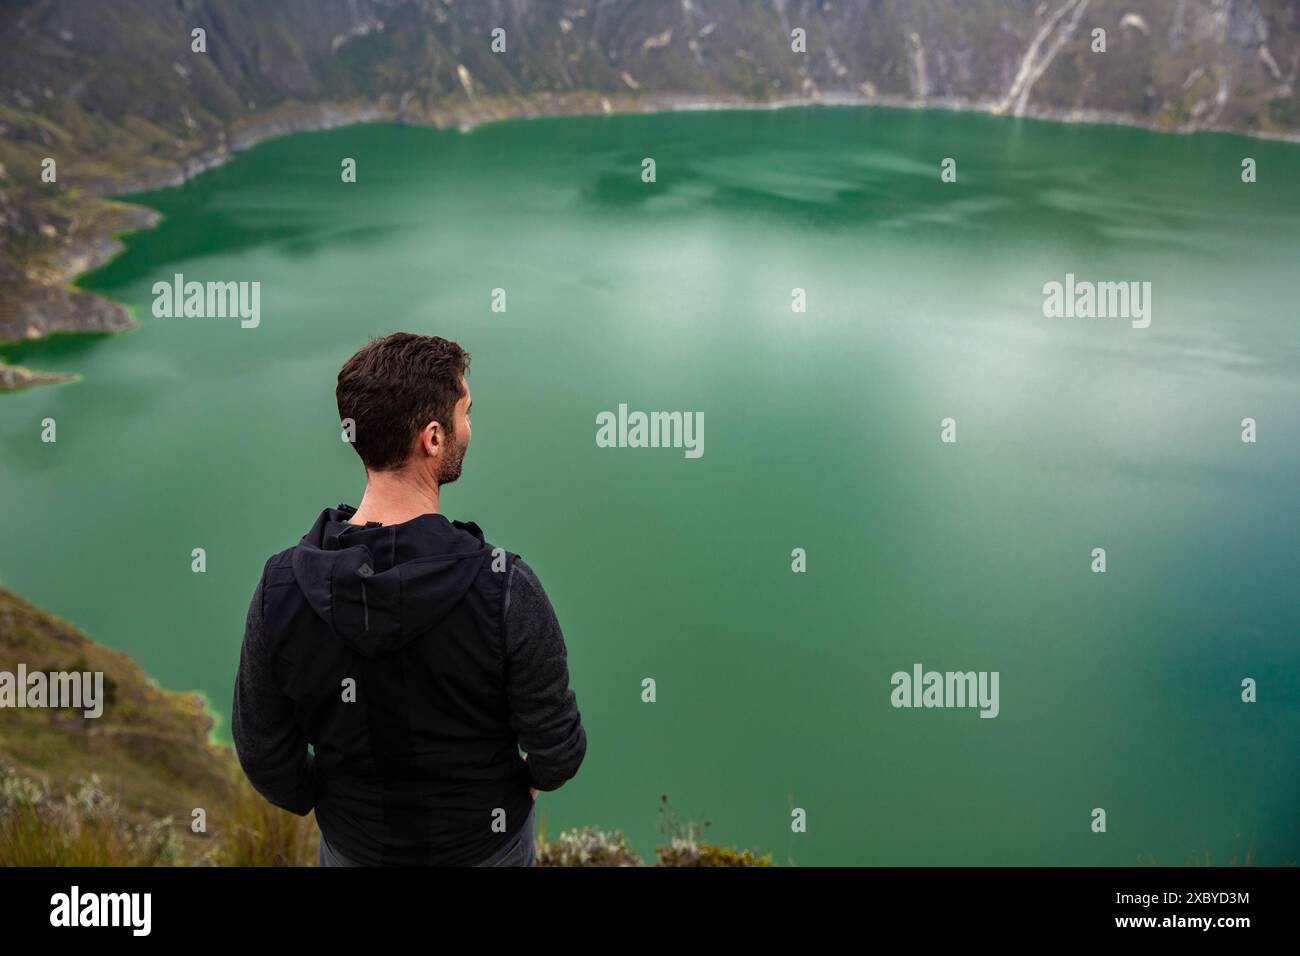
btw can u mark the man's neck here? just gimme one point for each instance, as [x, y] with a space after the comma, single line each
[392, 497]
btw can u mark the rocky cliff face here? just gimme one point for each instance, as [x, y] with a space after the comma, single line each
[116, 94]
[88, 66]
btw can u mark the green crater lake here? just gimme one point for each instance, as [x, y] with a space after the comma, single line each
[924, 301]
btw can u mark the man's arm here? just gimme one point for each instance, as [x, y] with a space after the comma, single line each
[543, 709]
[271, 748]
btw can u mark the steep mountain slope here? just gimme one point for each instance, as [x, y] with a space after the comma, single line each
[149, 746]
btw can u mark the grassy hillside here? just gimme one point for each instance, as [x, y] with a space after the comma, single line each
[151, 743]
[149, 749]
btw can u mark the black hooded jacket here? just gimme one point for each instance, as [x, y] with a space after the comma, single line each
[416, 660]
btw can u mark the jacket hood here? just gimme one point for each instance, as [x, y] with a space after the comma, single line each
[380, 586]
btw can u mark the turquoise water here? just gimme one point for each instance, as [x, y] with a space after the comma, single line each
[924, 301]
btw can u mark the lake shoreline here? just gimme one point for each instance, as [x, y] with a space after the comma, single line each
[51, 304]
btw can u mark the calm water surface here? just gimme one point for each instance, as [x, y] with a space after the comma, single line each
[924, 301]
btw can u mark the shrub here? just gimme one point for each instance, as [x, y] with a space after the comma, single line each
[85, 827]
[256, 833]
[686, 849]
[586, 847]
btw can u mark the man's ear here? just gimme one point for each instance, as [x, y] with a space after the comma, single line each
[431, 438]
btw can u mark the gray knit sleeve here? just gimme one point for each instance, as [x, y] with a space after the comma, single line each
[271, 748]
[543, 709]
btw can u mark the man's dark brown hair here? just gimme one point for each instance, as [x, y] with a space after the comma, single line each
[395, 386]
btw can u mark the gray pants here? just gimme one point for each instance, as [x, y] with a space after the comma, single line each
[521, 850]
